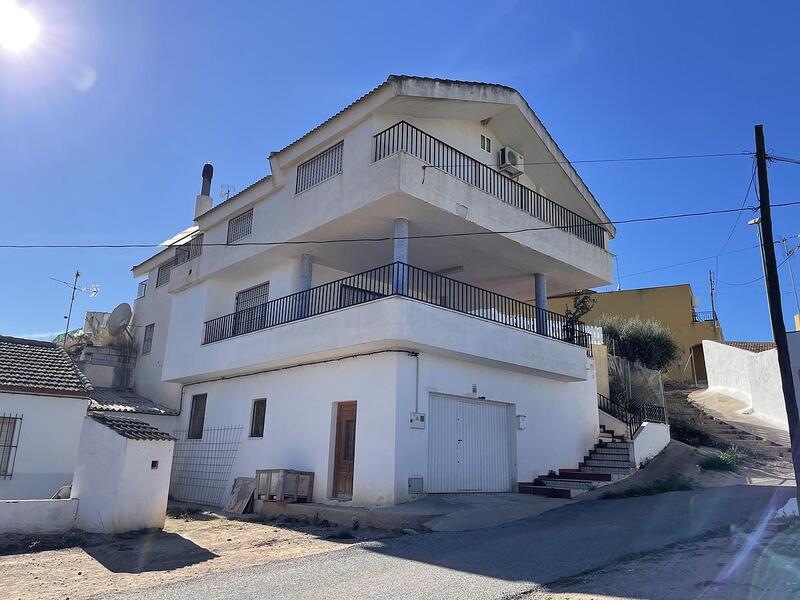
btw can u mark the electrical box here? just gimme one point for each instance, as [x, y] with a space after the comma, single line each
[417, 420]
[521, 422]
[415, 485]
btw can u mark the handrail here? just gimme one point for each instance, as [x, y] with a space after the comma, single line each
[399, 279]
[404, 137]
[633, 417]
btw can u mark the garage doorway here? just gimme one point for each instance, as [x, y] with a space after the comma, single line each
[345, 450]
[470, 445]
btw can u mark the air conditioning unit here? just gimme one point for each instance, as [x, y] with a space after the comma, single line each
[511, 161]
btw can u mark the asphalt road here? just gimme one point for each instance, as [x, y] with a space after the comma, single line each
[491, 563]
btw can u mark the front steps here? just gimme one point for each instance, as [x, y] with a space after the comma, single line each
[607, 462]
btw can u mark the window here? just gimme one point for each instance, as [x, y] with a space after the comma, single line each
[191, 249]
[9, 439]
[197, 417]
[486, 143]
[163, 272]
[323, 166]
[240, 227]
[253, 296]
[257, 418]
[142, 290]
[147, 342]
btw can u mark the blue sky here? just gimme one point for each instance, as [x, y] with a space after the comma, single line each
[106, 122]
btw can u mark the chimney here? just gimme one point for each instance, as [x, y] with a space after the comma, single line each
[203, 202]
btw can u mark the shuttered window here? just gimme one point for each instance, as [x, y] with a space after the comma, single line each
[323, 166]
[240, 227]
[252, 297]
[163, 273]
[258, 418]
[197, 417]
[147, 342]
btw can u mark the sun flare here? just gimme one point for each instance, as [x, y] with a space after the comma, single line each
[18, 28]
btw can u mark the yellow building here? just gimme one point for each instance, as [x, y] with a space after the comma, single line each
[675, 306]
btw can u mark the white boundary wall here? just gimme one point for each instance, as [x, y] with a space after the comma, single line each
[651, 439]
[752, 377]
[37, 516]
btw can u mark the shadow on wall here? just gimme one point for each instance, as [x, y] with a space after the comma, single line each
[141, 552]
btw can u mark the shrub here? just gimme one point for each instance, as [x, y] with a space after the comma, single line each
[723, 461]
[674, 483]
[688, 433]
[647, 342]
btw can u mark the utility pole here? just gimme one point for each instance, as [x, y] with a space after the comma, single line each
[775, 308]
[68, 316]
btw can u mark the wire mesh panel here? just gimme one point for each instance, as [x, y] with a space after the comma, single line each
[201, 468]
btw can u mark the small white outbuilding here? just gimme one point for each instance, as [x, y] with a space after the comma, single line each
[122, 476]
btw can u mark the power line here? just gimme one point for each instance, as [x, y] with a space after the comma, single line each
[391, 238]
[785, 159]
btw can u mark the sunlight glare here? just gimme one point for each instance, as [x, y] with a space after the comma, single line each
[18, 28]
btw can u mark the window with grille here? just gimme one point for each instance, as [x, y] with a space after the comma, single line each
[191, 249]
[323, 166]
[197, 417]
[258, 418]
[253, 296]
[250, 310]
[142, 290]
[163, 273]
[10, 426]
[147, 342]
[240, 227]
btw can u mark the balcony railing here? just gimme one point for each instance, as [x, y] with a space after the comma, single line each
[191, 249]
[399, 279]
[703, 316]
[404, 137]
[632, 416]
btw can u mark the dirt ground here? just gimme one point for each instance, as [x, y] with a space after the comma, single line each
[81, 565]
[735, 565]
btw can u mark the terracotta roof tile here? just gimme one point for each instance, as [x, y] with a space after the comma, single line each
[752, 346]
[34, 366]
[133, 429]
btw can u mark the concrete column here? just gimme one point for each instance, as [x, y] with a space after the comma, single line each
[540, 289]
[306, 271]
[401, 256]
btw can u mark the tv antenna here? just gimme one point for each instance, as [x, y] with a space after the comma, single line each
[92, 290]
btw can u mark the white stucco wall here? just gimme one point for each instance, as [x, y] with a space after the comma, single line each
[37, 516]
[651, 439]
[48, 443]
[300, 418]
[117, 489]
[752, 377]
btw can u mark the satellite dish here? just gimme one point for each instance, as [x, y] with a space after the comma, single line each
[119, 319]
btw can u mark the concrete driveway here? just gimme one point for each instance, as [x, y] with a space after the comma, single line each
[497, 562]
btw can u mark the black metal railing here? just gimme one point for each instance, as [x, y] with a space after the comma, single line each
[191, 249]
[399, 279]
[703, 315]
[632, 416]
[404, 137]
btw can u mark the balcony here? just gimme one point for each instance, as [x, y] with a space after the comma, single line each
[401, 280]
[703, 316]
[404, 137]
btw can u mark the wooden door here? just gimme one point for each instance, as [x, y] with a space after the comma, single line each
[345, 451]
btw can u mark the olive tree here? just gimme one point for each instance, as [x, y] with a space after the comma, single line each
[647, 342]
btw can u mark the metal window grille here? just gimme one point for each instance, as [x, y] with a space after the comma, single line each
[10, 427]
[404, 137]
[142, 290]
[191, 249]
[246, 319]
[201, 468]
[240, 227]
[147, 342]
[258, 418]
[323, 166]
[164, 270]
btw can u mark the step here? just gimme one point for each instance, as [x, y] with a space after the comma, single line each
[625, 445]
[542, 490]
[623, 471]
[567, 484]
[610, 451]
[619, 464]
[578, 474]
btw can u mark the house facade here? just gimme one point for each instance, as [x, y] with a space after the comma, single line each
[375, 310]
[675, 307]
[43, 401]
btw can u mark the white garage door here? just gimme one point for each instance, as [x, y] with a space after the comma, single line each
[469, 445]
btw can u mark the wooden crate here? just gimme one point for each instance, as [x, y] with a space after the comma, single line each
[284, 485]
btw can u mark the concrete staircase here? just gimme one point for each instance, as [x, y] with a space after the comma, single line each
[607, 462]
[724, 434]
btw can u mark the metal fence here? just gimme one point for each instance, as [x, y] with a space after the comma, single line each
[637, 393]
[399, 279]
[201, 468]
[10, 427]
[404, 137]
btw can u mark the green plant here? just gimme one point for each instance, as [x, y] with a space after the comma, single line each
[674, 483]
[688, 433]
[582, 304]
[647, 342]
[727, 460]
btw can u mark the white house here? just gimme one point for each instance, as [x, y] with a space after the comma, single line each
[374, 310]
[43, 401]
